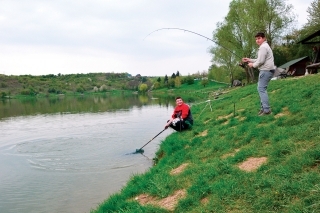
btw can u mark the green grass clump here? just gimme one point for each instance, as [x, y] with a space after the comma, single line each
[223, 139]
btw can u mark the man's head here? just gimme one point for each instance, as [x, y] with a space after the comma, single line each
[179, 100]
[260, 38]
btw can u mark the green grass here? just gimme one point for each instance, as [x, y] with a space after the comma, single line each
[289, 181]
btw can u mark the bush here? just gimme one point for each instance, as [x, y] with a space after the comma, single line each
[143, 87]
[80, 89]
[25, 92]
[103, 88]
[189, 80]
[3, 94]
[3, 85]
[52, 90]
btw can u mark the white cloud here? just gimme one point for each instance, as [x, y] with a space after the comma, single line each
[51, 37]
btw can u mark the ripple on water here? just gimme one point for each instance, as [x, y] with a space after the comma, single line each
[67, 154]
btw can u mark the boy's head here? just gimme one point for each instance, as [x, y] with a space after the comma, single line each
[260, 34]
[260, 38]
[179, 100]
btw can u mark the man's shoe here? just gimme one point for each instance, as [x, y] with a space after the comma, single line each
[260, 112]
[265, 113]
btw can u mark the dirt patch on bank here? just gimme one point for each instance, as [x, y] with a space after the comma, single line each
[204, 133]
[252, 164]
[207, 121]
[179, 169]
[168, 203]
[226, 116]
[274, 91]
[230, 154]
[285, 111]
[204, 201]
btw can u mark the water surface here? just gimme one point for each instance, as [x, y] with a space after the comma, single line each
[70, 161]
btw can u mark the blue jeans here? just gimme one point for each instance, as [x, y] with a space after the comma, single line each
[264, 78]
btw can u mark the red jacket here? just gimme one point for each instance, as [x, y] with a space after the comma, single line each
[182, 110]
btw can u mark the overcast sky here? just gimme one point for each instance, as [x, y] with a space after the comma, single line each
[40, 37]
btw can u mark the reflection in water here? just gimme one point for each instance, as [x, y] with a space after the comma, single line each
[69, 154]
[77, 104]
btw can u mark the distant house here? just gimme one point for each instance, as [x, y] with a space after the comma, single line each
[301, 65]
[296, 67]
[313, 39]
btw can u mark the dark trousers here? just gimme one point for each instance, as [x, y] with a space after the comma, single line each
[181, 125]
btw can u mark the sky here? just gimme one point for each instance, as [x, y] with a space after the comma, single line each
[85, 36]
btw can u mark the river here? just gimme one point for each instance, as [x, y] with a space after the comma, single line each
[70, 154]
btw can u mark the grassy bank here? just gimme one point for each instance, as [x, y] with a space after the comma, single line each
[235, 161]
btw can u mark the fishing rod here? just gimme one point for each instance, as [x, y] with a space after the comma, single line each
[141, 150]
[189, 31]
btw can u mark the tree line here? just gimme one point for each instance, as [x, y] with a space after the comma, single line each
[46, 85]
[244, 19]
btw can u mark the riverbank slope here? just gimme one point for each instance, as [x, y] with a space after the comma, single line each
[234, 160]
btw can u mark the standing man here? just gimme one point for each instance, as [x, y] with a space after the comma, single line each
[265, 64]
[181, 118]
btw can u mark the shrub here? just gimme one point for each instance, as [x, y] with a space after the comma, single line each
[3, 94]
[103, 88]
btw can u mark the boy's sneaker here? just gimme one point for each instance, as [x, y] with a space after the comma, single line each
[260, 112]
[265, 113]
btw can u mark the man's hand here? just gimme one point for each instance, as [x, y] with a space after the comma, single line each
[168, 124]
[250, 64]
[245, 59]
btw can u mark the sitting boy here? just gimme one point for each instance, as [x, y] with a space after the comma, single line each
[181, 118]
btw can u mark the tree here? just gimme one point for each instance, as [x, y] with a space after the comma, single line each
[103, 88]
[204, 82]
[159, 80]
[314, 16]
[173, 75]
[235, 35]
[143, 88]
[189, 80]
[171, 83]
[133, 84]
[177, 82]
[177, 74]
[3, 95]
[166, 79]
[197, 75]
[80, 89]
[204, 74]
[144, 79]
[156, 85]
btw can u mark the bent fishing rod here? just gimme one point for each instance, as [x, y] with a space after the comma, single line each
[189, 31]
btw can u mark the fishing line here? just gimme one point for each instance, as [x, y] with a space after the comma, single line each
[189, 31]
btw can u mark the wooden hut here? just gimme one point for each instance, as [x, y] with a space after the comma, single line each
[313, 39]
[296, 67]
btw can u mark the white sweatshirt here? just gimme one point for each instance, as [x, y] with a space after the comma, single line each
[265, 59]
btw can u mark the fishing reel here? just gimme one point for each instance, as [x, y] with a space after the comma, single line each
[243, 64]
